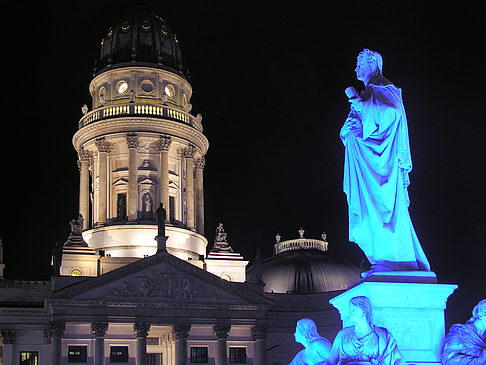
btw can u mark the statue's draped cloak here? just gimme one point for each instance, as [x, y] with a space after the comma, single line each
[462, 346]
[377, 347]
[376, 168]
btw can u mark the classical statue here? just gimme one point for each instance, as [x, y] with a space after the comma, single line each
[221, 235]
[376, 168]
[316, 348]
[363, 342]
[161, 217]
[220, 240]
[77, 225]
[56, 258]
[466, 343]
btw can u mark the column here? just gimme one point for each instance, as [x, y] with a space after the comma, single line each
[83, 164]
[199, 191]
[162, 146]
[98, 329]
[104, 148]
[259, 333]
[181, 333]
[141, 331]
[132, 196]
[7, 336]
[221, 332]
[56, 331]
[189, 158]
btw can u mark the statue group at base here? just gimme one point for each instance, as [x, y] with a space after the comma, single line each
[362, 343]
[376, 168]
[465, 344]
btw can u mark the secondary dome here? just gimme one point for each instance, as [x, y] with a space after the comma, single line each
[302, 266]
[140, 38]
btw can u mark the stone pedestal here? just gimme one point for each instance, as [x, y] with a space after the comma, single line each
[161, 243]
[410, 305]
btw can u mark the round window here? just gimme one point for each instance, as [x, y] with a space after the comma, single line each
[147, 86]
[226, 277]
[125, 26]
[145, 25]
[76, 272]
[169, 90]
[121, 87]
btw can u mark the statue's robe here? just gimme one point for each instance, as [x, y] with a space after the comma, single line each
[378, 347]
[315, 353]
[462, 346]
[376, 168]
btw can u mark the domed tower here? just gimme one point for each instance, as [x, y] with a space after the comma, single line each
[140, 147]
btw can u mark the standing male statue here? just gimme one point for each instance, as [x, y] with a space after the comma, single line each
[376, 168]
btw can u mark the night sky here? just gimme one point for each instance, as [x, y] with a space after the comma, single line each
[269, 81]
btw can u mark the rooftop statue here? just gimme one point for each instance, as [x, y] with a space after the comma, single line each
[220, 240]
[376, 168]
[316, 349]
[466, 343]
[363, 342]
[161, 218]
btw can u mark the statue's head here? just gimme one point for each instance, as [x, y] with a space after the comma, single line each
[305, 331]
[369, 65]
[360, 308]
[479, 312]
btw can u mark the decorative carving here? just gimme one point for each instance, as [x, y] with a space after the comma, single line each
[132, 140]
[8, 336]
[199, 162]
[181, 331]
[98, 329]
[189, 151]
[220, 240]
[163, 144]
[84, 155]
[221, 330]
[56, 329]
[162, 283]
[103, 145]
[259, 332]
[141, 329]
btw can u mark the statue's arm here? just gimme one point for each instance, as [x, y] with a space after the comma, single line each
[299, 359]
[333, 357]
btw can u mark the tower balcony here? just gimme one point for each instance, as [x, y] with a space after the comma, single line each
[140, 110]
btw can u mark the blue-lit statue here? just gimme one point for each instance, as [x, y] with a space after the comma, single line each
[363, 342]
[316, 348]
[465, 344]
[376, 168]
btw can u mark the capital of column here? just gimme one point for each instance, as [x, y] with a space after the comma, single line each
[199, 162]
[56, 329]
[163, 144]
[84, 155]
[181, 331]
[188, 152]
[98, 329]
[221, 330]
[103, 145]
[141, 329]
[132, 141]
[7, 336]
[259, 332]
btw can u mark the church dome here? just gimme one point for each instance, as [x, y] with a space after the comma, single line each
[140, 38]
[302, 266]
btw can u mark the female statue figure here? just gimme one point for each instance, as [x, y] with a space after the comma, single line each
[316, 347]
[376, 168]
[363, 342]
[466, 343]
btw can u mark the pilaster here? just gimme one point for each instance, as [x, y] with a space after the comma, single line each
[163, 146]
[98, 329]
[132, 195]
[221, 332]
[181, 333]
[199, 192]
[141, 331]
[259, 334]
[188, 154]
[104, 147]
[84, 160]
[56, 331]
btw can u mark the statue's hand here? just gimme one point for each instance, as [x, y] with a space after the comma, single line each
[356, 103]
[350, 124]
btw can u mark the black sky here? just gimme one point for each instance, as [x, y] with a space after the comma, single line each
[268, 80]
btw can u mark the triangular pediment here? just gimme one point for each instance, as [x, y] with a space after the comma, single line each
[120, 181]
[158, 279]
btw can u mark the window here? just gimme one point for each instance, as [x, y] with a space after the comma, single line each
[29, 358]
[237, 355]
[199, 355]
[154, 359]
[119, 354]
[172, 209]
[77, 354]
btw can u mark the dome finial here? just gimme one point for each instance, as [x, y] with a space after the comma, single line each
[301, 232]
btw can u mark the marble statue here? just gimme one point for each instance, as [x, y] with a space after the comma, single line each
[316, 348]
[376, 168]
[465, 344]
[161, 217]
[220, 240]
[363, 342]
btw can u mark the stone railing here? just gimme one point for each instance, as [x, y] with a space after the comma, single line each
[137, 109]
[300, 244]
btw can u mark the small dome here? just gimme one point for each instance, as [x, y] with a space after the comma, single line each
[303, 266]
[140, 38]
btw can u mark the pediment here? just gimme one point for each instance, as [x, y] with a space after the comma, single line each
[146, 181]
[158, 279]
[120, 181]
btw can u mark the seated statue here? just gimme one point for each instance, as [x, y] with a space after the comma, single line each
[363, 342]
[316, 347]
[466, 343]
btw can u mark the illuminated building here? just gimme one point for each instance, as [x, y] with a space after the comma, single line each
[116, 299]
